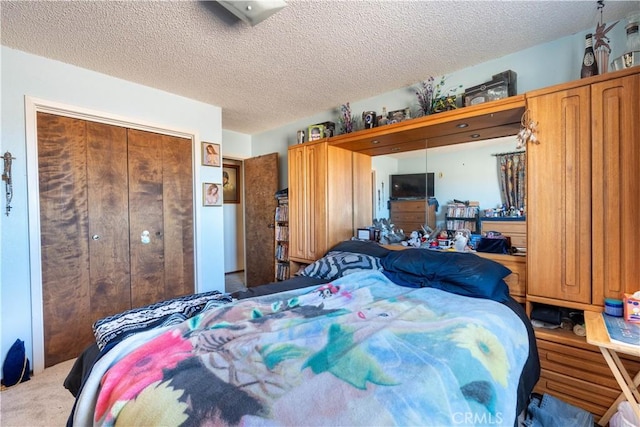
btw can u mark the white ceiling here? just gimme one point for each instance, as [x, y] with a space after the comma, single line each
[308, 58]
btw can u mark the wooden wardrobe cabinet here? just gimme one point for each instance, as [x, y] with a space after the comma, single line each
[329, 197]
[583, 188]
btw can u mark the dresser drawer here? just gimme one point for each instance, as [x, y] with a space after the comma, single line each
[517, 280]
[590, 397]
[518, 240]
[579, 363]
[409, 206]
[408, 216]
[516, 230]
[505, 227]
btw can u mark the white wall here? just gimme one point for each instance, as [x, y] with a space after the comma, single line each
[29, 75]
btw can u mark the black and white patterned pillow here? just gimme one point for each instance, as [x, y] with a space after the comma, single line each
[336, 264]
[112, 329]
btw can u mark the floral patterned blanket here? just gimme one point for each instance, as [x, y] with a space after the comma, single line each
[358, 351]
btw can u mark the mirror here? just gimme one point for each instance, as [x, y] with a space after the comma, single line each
[466, 171]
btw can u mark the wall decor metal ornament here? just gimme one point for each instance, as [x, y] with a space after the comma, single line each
[6, 177]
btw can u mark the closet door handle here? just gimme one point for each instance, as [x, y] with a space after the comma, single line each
[95, 237]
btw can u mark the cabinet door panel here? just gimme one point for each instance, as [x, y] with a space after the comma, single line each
[616, 186]
[297, 211]
[559, 188]
[316, 200]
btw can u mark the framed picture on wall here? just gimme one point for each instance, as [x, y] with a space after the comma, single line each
[210, 154]
[231, 183]
[211, 194]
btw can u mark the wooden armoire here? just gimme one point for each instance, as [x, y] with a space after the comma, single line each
[583, 188]
[116, 218]
[330, 196]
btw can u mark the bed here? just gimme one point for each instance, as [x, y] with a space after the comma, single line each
[365, 336]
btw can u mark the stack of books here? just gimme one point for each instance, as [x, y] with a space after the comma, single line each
[621, 332]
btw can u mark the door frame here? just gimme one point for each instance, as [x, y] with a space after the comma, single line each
[34, 106]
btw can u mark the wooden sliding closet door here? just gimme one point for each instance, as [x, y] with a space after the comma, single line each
[101, 187]
[161, 212]
[83, 212]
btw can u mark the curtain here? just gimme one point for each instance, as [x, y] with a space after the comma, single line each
[512, 176]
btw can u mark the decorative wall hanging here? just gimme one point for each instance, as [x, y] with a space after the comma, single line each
[212, 196]
[210, 154]
[527, 132]
[601, 41]
[6, 177]
[231, 183]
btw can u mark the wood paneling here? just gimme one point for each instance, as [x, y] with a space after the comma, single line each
[62, 152]
[177, 206]
[261, 184]
[145, 204]
[110, 285]
[323, 181]
[616, 186]
[559, 191]
[100, 186]
[489, 120]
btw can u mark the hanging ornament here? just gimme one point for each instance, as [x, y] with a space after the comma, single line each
[527, 132]
[601, 41]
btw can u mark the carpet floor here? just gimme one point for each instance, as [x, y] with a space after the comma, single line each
[41, 401]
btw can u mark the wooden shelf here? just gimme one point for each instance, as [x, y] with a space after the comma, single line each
[493, 119]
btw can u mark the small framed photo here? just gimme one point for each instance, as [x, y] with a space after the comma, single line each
[397, 116]
[316, 132]
[210, 154]
[364, 234]
[211, 194]
[231, 183]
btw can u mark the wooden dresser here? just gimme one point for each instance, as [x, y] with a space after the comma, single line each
[576, 372]
[517, 280]
[410, 215]
[514, 229]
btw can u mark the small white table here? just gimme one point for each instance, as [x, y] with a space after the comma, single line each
[597, 335]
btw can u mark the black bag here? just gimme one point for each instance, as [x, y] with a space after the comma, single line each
[494, 245]
[15, 368]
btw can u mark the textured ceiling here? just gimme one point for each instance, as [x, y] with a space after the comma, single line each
[310, 57]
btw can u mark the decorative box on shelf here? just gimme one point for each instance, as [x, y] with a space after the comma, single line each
[500, 86]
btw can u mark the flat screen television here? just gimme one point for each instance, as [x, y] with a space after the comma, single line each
[412, 186]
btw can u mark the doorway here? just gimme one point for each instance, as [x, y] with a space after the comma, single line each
[249, 222]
